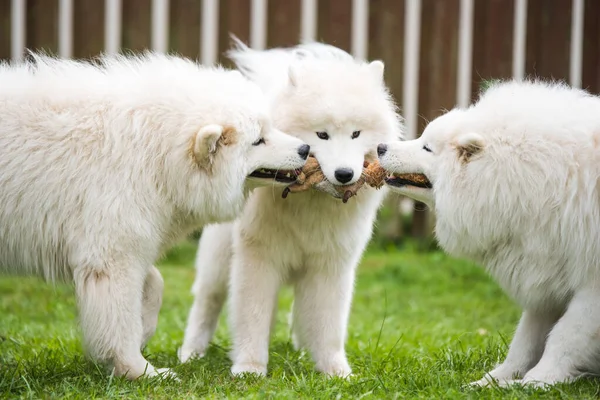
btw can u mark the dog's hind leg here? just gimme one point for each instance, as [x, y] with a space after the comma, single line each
[210, 290]
[151, 303]
[110, 307]
[525, 349]
[573, 345]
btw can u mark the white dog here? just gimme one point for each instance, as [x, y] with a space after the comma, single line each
[341, 107]
[514, 181]
[103, 166]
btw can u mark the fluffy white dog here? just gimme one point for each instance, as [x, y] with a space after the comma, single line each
[341, 107]
[103, 166]
[515, 184]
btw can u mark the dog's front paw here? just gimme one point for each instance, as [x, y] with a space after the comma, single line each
[336, 368]
[488, 381]
[163, 373]
[186, 354]
[249, 368]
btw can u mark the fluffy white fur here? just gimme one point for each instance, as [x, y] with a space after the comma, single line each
[310, 240]
[516, 188]
[103, 166]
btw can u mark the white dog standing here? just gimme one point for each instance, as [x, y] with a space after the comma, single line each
[341, 107]
[103, 166]
[515, 184]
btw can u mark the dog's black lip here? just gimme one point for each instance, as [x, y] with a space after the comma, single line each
[399, 182]
[276, 175]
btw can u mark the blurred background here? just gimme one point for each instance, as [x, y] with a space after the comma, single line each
[438, 53]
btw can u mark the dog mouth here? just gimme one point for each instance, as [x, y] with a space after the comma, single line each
[416, 180]
[278, 175]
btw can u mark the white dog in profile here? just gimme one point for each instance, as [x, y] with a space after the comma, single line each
[515, 184]
[342, 108]
[103, 166]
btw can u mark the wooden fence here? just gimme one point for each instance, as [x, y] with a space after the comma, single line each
[437, 52]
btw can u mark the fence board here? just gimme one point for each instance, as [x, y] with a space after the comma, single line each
[386, 25]
[334, 21]
[492, 41]
[234, 18]
[548, 38]
[591, 47]
[42, 25]
[136, 25]
[284, 22]
[437, 76]
[184, 23]
[88, 28]
[5, 26]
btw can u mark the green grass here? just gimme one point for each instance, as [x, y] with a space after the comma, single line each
[422, 326]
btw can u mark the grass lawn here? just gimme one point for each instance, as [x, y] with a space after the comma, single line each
[422, 326]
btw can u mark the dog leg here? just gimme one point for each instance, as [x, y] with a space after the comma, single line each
[322, 300]
[110, 306]
[254, 287]
[525, 349]
[151, 303]
[210, 290]
[573, 346]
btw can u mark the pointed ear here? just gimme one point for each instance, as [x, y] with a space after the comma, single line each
[205, 143]
[293, 76]
[468, 145]
[376, 69]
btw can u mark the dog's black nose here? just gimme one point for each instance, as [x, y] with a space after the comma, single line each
[381, 149]
[303, 151]
[344, 175]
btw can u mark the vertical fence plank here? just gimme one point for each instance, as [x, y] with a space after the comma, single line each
[185, 27]
[548, 38]
[136, 25]
[386, 19]
[88, 26]
[42, 25]
[5, 26]
[334, 22]
[437, 77]
[234, 18]
[492, 41]
[591, 47]
[284, 22]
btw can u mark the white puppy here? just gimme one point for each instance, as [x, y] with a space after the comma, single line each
[103, 166]
[515, 184]
[341, 107]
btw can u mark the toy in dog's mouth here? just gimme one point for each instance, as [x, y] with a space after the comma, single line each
[416, 180]
[281, 175]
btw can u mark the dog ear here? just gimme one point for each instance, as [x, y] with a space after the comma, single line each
[469, 145]
[205, 143]
[376, 69]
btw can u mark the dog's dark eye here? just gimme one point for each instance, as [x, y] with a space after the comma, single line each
[323, 135]
[259, 142]
[355, 134]
[426, 148]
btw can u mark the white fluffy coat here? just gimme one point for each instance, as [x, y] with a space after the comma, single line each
[103, 166]
[516, 188]
[310, 240]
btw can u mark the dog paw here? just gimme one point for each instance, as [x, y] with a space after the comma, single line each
[545, 381]
[339, 369]
[163, 373]
[186, 354]
[249, 368]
